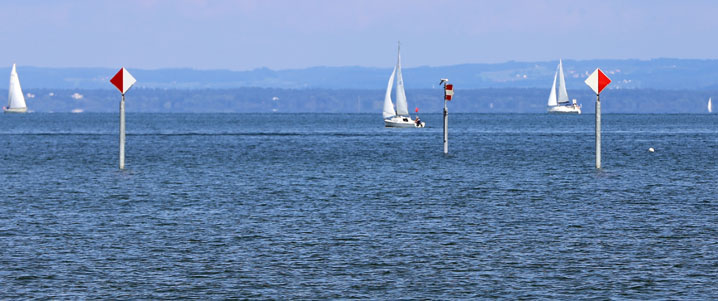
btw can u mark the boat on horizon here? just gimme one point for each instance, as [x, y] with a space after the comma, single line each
[16, 100]
[560, 104]
[398, 117]
[710, 105]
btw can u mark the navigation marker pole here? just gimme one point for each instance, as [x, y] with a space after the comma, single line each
[598, 81]
[123, 80]
[446, 128]
[448, 93]
[122, 132]
[598, 131]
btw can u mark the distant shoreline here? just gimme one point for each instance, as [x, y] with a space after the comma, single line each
[260, 100]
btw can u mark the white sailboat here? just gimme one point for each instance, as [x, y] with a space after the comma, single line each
[398, 117]
[560, 104]
[16, 100]
[710, 105]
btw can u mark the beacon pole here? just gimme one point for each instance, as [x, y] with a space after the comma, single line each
[446, 127]
[123, 80]
[597, 81]
[122, 132]
[448, 93]
[598, 131]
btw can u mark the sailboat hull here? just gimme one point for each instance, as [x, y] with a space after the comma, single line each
[14, 110]
[402, 122]
[573, 109]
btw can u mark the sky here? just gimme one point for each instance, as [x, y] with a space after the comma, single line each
[291, 34]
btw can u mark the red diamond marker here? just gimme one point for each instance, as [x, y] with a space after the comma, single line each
[598, 81]
[123, 80]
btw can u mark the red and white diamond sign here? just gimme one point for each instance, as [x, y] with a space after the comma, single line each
[123, 80]
[597, 81]
[448, 92]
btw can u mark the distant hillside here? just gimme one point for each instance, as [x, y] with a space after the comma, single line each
[267, 100]
[672, 74]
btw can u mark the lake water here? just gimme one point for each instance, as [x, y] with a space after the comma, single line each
[299, 206]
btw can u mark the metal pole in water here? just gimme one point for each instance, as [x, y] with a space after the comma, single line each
[446, 128]
[122, 132]
[598, 131]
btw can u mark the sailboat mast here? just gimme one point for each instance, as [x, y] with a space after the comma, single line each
[398, 66]
[402, 109]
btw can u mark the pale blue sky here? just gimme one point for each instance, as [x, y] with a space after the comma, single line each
[241, 35]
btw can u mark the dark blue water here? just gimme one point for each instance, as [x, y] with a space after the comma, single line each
[337, 206]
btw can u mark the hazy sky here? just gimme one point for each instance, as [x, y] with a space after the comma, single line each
[241, 35]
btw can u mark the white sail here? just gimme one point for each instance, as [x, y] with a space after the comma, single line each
[710, 105]
[552, 97]
[562, 93]
[388, 105]
[16, 100]
[402, 108]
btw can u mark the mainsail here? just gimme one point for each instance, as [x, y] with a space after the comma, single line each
[388, 105]
[562, 93]
[402, 109]
[16, 100]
